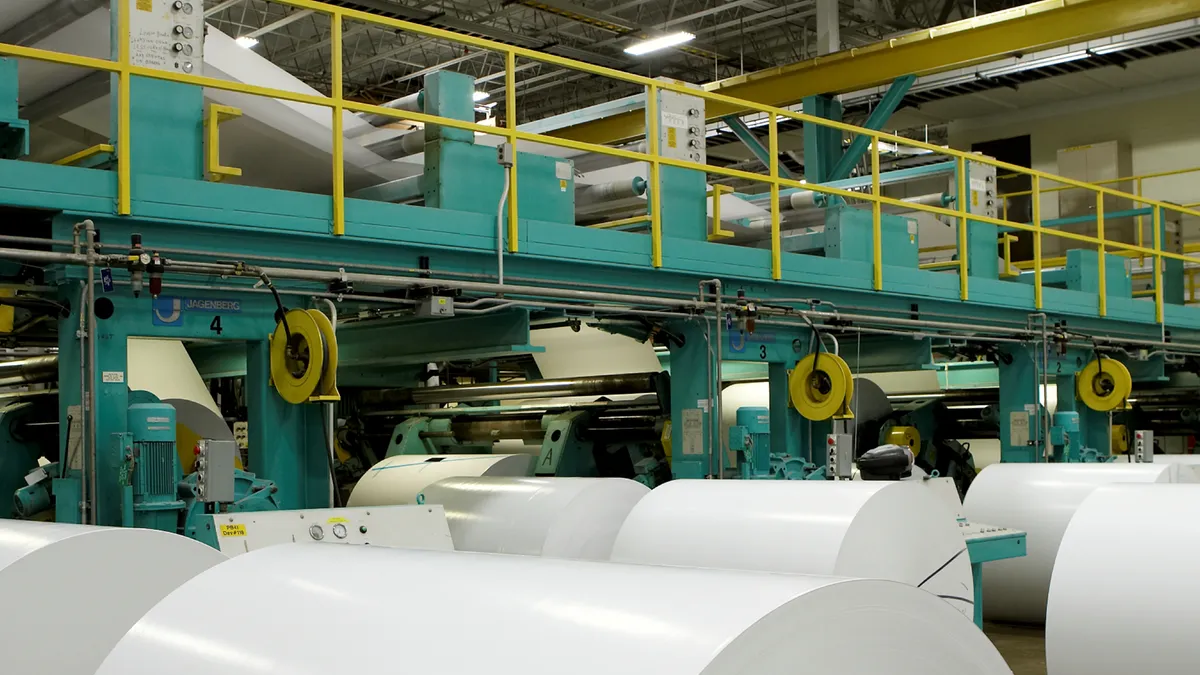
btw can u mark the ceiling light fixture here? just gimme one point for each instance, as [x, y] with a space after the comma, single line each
[480, 96]
[659, 43]
[246, 41]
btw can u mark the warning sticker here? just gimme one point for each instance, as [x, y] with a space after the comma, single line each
[672, 137]
[145, 5]
[238, 530]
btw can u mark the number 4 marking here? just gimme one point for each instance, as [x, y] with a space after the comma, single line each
[215, 326]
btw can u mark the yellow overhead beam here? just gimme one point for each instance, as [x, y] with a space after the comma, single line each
[990, 37]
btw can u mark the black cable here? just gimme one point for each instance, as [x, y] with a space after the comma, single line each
[278, 303]
[337, 491]
[957, 597]
[944, 566]
[66, 458]
[817, 336]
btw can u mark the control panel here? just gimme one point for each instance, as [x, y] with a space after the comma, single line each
[1143, 446]
[215, 464]
[681, 127]
[840, 462]
[167, 35]
[978, 531]
[981, 190]
[420, 527]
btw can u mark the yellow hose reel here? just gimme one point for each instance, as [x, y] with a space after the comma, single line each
[908, 437]
[304, 366]
[1104, 384]
[821, 387]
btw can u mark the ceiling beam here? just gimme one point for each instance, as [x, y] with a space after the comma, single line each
[220, 7]
[276, 25]
[49, 20]
[1040, 25]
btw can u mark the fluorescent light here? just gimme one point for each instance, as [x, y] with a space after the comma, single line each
[246, 41]
[480, 96]
[655, 44]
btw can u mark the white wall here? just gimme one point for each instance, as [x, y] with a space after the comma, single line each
[1158, 122]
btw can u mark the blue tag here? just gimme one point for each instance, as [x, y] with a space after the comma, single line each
[106, 280]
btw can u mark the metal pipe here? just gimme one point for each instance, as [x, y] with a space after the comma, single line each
[399, 190]
[586, 195]
[477, 286]
[90, 229]
[714, 421]
[487, 431]
[500, 228]
[330, 432]
[36, 370]
[599, 385]
[404, 145]
[536, 410]
[411, 103]
[83, 389]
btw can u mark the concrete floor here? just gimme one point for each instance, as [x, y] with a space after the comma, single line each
[1023, 647]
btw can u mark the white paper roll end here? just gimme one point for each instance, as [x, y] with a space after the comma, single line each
[70, 592]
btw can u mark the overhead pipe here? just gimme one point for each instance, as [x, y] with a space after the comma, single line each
[404, 145]
[680, 307]
[411, 103]
[600, 385]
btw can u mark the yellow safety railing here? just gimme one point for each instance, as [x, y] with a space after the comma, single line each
[1138, 182]
[337, 104]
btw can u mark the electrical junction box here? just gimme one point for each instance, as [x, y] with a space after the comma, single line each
[215, 465]
[436, 306]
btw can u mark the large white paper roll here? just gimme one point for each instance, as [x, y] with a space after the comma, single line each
[343, 609]
[398, 479]
[553, 517]
[68, 593]
[1040, 499]
[1125, 593]
[607, 353]
[1192, 461]
[884, 530]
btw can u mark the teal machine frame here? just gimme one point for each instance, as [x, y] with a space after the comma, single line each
[453, 236]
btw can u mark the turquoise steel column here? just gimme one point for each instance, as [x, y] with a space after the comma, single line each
[167, 122]
[14, 132]
[287, 444]
[822, 145]
[691, 450]
[1019, 431]
[788, 431]
[982, 253]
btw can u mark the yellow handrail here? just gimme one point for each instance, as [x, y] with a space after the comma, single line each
[84, 154]
[337, 104]
[622, 222]
[719, 232]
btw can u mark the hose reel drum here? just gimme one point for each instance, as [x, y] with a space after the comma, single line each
[304, 358]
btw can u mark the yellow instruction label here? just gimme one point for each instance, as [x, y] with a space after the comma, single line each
[672, 137]
[145, 5]
[233, 530]
[336, 519]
